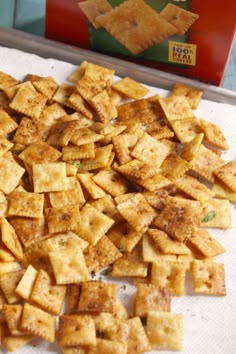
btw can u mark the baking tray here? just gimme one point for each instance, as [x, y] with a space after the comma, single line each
[51, 49]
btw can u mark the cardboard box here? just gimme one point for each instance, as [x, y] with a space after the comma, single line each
[192, 38]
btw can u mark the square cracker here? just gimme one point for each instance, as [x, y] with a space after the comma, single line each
[208, 278]
[10, 173]
[49, 177]
[94, 8]
[192, 94]
[136, 25]
[62, 219]
[227, 174]
[179, 18]
[130, 88]
[26, 204]
[165, 330]
[216, 213]
[93, 294]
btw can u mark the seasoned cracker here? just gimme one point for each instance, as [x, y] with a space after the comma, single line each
[223, 191]
[63, 92]
[94, 8]
[197, 190]
[73, 268]
[38, 153]
[191, 148]
[46, 295]
[92, 188]
[176, 108]
[150, 151]
[26, 204]
[76, 330]
[227, 174]
[10, 173]
[30, 131]
[71, 152]
[131, 264]
[25, 286]
[112, 182]
[63, 219]
[103, 158]
[137, 212]
[123, 145]
[78, 73]
[192, 94]
[169, 274]
[179, 17]
[101, 255]
[46, 85]
[213, 134]
[124, 236]
[174, 167]
[136, 25]
[131, 88]
[51, 114]
[166, 244]
[29, 102]
[208, 278]
[7, 80]
[186, 129]
[7, 124]
[61, 133]
[49, 177]
[13, 314]
[93, 294]
[216, 213]
[93, 225]
[138, 170]
[8, 284]
[38, 322]
[80, 105]
[85, 135]
[205, 243]
[103, 106]
[10, 239]
[135, 111]
[107, 206]
[150, 297]
[165, 330]
[72, 196]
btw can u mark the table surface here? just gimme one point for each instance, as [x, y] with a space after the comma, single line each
[29, 15]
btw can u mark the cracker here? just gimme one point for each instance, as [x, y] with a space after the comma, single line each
[73, 268]
[194, 188]
[38, 153]
[138, 170]
[93, 8]
[63, 92]
[124, 236]
[80, 105]
[137, 338]
[10, 239]
[26, 283]
[103, 106]
[150, 151]
[93, 294]
[49, 177]
[29, 230]
[139, 32]
[165, 330]
[150, 297]
[30, 131]
[61, 133]
[38, 322]
[136, 111]
[7, 124]
[51, 114]
[166, 244]
[192, 94]
[223, 191]
[76, 330]
[72, 196]
[101, 255]
[104, 346]
[191, 148]
[46, 295]
[8, 284]
[92, 188]
[12, 343]
[130, 264]
[179, 18]
[8, 267]
[67, 240]
[85, 151]
[10, 173]
[101, 160]
[205, 243]
[46, 85]
[227, 174]
[112, 182]
[130, 88]
[85, 136]
[176, 108]
[174, 167]
[102, 76]
[178, 218]
[107, 206]
[29, 102]
[62, 219]
[123, 145]
[160, 130]
[26, 204]
[216, 213]
[7, 80]
[93, 224]
[155, 183]
[186, 129]
[208, 278]
[78, 73]
[170, 274]
[137, 212]
[13, 317]
[205, 163]
[214, 134]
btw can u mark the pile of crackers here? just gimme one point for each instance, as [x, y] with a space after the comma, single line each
[104, 186]
[135, 24]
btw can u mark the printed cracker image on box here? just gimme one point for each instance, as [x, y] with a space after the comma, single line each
[179, 36]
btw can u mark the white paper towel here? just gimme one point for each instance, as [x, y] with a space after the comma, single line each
[209, 322]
